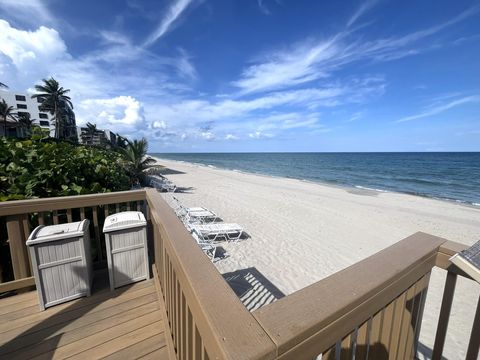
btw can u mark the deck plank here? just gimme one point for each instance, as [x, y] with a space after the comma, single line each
[7, 302]
[72, 323]
[125, 323]
[121, 342]
[99, 338]
[46, 340]
[140, 349]
[74, 309]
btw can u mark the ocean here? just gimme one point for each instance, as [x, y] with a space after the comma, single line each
[448, 176]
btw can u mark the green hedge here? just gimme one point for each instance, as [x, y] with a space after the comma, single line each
[34, 168]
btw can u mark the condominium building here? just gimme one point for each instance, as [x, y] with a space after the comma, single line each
[100, 137]
[23, 104]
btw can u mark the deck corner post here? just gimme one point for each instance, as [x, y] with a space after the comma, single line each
[18, 248]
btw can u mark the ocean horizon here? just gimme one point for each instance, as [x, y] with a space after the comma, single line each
[453, 176]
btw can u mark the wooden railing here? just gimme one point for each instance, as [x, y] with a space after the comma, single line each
[373, 308]
[206, 319]
[21, 217]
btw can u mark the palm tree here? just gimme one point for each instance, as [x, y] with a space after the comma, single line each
[3, 85]
[137, 161]
[54, 99]
[6, 112]
[121, 142]
[26, 122]
[88, 135]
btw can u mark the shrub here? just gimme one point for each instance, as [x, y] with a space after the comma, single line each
[34, 168]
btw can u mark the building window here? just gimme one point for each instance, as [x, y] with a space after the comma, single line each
[44, 123]
[43, 116]
[20, 98]
[23, 113]
[21, 106]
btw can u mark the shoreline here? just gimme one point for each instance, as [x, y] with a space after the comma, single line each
[349, 188]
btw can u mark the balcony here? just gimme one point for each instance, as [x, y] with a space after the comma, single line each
[372, 309]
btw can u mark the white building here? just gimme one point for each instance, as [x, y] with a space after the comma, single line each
[23, 102]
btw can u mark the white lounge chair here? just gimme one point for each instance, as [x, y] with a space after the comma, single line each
[207, 246]
[202, 216]
[162, 184]
[229, 231]
[194, 215]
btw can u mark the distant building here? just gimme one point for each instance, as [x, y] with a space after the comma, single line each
[23, 103]
[100, 137]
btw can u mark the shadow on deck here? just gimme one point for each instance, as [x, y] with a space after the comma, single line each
[123, 324]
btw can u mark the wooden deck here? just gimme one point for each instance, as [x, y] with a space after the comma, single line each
[124, 324]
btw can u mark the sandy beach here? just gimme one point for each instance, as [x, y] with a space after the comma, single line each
[302, 232]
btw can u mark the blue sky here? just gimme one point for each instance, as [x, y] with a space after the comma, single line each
[258, 75]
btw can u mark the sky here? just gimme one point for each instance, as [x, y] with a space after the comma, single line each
[257, 75]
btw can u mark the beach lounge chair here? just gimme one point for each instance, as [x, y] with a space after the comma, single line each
[162, 183]
[228, 231]
[207, 246]
[196, 215]
[193, 214]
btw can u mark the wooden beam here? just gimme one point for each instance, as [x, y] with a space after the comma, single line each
[474, 343]
[68, 202]
[444, 316]
[18, 248]
[17, 284]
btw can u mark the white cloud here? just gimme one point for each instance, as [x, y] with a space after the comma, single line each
[121, 114]
[263, 8]
[355, 116]
[260, 135]
[27, 55]
[113, 37]
[172, 14]
[364, 7]
[441, 108]
[185, 111]
[159, 125]
[231, 137]
[312, 60]
[207, 135]
[33, 12]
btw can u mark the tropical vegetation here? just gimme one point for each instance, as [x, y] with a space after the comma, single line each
[136, 160]
[54, 99]
[7, 112]
[38, 168]
[26, 123]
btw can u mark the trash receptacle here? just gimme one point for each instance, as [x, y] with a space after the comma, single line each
[61, 261]
[126, 242]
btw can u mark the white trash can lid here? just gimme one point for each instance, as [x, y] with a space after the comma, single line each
[49, 233]
[124, 220]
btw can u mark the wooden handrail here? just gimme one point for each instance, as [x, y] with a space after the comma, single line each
[225, 326]
[308, 322]
[68, 202]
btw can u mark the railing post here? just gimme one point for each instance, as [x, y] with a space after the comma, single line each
[18, 248]
[444, 315]
[474, 343]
